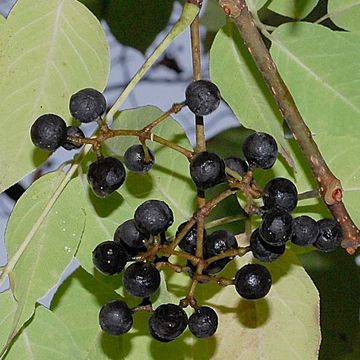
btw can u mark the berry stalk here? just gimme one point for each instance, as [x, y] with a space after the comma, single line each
[330, 187]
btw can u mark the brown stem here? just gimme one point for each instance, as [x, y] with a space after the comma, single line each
[330, 187]
[241, 251]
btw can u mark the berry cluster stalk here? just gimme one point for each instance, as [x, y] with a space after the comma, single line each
[329, 186]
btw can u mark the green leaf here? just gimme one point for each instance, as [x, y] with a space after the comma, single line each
[2, 19]
[256, 4]
[296, 9]
[137, 24]
[168, 180]
[51, 49]
[213, 17]
[45, 337]
[242, 85]
[8, 307]
[345, 14]
[283, 325]
[44, 242]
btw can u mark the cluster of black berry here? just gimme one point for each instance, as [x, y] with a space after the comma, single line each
[142, 241]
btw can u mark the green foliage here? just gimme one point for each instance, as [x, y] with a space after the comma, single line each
[296, 9]
[345, 13]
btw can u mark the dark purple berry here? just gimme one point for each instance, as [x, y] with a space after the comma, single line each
[115, 318]
[202, 97]
[236, 164]
[280, 193]
[73, 131]
[167, 322]
[263, 251]
[141, 279]
[188, 242]
[109, 258]
[304, 230]
[330, 235]
[106, 175]
[129, 234]
[253, 281]
[48, 132]
[207, 170]
[87, 105]
[153, 217]
[203, 322]
[134, 159]
[260, 150]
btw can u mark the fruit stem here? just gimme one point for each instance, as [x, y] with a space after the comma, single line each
[241, 251]
[328, 183]
[224, 220]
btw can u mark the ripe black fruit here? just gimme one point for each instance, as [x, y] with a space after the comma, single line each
[109, 258]
[87, 105]
[48, 132]
[105, 175]
[207, 170]
[280, 193]
[153, 217]
[203, 322]
[167, 322]
[253, 281]
[115, 318]
[74, 132]
[262, 250]
[260, 150]
[275, 228]
[304, 230]
[134, 159]
[129, 234]
[188, 242]
[202, 97]
[236, 164]
[141, 279]
[330, 235]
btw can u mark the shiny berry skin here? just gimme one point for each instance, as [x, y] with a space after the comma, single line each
[203, 322]
[153, 217]
[167, 322]
[188, 242]
[87, 105]
[236, 164]
[129, 234]
[115, 318]
[109, 258]
[106, 175]
[141, 279]
[134, 159]
[280, 193]
[304, 230]
[262, 250]
[207, 170]
[330, 235]
[74, 132]
[253, 281]
[260, 150]
[275, 228]
[48, 132]
[202, 97]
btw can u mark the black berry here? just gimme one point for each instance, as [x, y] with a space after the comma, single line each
[134, 159]
[260, 150]
[253, 281]
[167, 322]
[236, 164]
[141, 279]
[202, 97]
[48, 132]
[129, 234]
[264, 251]
[275, 228]
[74, 132]
[106, 175]
[304, 230]
[153, 217]
[188, 242]
[87, 105]
[207, 170]
[203, 322]
[109, 258]
[330, 235]
[280, 193]
[115, 318]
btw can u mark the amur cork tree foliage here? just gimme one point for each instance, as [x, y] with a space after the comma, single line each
[188, 251]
